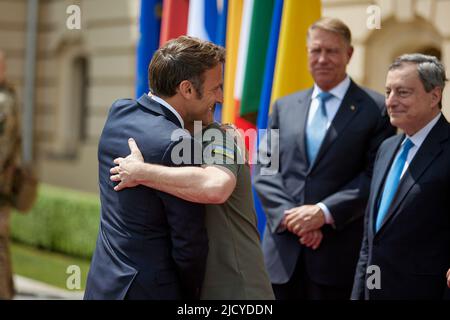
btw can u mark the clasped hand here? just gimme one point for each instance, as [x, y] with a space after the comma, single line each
[305, 222]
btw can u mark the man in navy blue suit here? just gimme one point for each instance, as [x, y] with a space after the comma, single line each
[152, 245]
[314, 203]
[405, 253]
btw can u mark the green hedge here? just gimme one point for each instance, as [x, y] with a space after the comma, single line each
[62, 220]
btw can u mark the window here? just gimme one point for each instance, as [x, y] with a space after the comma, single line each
[81, 83]
[72, 107]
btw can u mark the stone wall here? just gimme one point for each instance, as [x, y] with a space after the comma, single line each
[66, 134]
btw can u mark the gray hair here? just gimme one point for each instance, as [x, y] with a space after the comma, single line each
[431, 71]
[332, 25]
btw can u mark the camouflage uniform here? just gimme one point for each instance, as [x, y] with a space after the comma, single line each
[9, 157]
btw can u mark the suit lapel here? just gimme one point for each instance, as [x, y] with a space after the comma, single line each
[153, 106]
[301, 118]
[347, 110]
[429, 150]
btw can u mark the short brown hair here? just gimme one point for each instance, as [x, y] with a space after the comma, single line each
[183, 58]
[333, 25]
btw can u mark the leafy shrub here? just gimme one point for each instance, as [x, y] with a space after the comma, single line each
[61, 220]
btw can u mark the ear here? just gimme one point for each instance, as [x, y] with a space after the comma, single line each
[349, 52]
[436, 96]
[186, 89]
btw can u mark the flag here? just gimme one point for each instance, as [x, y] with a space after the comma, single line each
[174, 19]
[207, 21]
[199, 19]
[286, 69]
[256, 56]
[291, 71]
[221, 31]
[232, 44]
[266, 90]
[271, 56]
[149, 28]
[243, 50]
[249, 12]
[240, 122]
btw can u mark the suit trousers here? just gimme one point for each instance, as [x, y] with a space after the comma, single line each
[301, 287]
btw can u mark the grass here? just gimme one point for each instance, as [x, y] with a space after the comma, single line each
[46, 266]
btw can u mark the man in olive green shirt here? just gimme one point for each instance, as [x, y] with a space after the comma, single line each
[235, 267]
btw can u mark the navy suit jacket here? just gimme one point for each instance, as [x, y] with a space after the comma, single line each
[150, 245]
[412, 247]
[339, 177]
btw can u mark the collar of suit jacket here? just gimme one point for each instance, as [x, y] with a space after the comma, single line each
[156, 107]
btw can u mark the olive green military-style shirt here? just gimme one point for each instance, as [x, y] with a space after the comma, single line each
[235, 266]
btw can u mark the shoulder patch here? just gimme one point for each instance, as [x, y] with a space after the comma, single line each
[217, 149]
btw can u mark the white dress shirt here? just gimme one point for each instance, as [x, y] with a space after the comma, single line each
[417, 139]
[168, 106]
[332, 107]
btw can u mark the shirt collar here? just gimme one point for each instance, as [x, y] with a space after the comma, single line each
[168, 106]
[338, 91]
[421, 135]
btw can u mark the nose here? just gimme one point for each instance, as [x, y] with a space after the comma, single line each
[390, 99]
[323, 56]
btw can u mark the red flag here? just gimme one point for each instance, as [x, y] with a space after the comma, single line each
[174, 19]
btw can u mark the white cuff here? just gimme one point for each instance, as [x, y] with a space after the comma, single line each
[328, 217]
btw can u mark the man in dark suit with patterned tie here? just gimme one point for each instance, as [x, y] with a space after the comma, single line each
[314, 202]
[405, 253]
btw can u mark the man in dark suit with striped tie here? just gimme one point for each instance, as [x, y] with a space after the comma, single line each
[405, 252]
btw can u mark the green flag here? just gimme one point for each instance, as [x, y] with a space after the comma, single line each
[256, 57]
